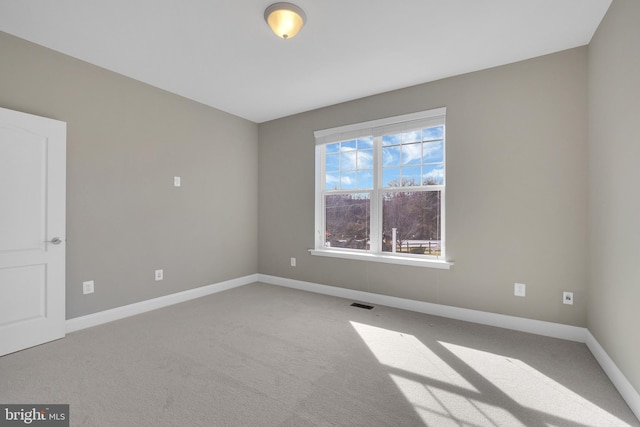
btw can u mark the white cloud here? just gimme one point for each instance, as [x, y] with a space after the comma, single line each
[414, 136]
[365, 159]
[433, 150]
[346, 180]
[410, 153]
[348, 160]
[390, 156]
[331, 179]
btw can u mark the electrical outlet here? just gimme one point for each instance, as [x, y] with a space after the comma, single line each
[87, 287]
[293, 262]
[567, 298]
[159, 275]
[520, 289]
[176, 181]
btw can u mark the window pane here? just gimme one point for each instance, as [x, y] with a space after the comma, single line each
[432, 152]
[411, 176]
[348, 167]
[333, 162]
[416, 219]
[348, 161]
[348, 145]
[365, 179]
[391, 156]
[348, 180]
[433, 174]
[409, 137]
[365, 142]
[391, 177]
[391, 139]
[365, 159]
[433, 133]
[347, 221]
[332, 181]
[412, 154]
[333, 148]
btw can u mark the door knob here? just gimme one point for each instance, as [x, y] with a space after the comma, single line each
[55, 241]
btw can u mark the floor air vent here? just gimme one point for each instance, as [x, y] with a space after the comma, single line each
[366, 307]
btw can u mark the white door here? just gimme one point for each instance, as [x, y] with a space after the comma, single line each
[32, 230]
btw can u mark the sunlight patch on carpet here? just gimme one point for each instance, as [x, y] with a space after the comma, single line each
[449, 384]
[533, 389]
[405, 352]
[443, 408]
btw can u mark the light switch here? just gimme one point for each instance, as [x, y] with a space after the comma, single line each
[176, 181]
[87, 287]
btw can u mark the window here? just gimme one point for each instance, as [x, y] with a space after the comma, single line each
[380, 190]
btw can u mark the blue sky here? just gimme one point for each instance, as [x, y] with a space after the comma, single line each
[417, 155]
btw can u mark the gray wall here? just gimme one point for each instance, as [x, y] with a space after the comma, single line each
[126, 141]
[516, 194]
[614, 197]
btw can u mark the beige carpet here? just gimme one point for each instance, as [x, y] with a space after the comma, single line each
[261, 355]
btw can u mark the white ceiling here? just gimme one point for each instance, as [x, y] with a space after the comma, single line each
[221, 52]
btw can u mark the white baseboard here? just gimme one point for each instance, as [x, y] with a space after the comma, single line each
[555, 330]
[549, 329]
[627, 391]
[117, 313]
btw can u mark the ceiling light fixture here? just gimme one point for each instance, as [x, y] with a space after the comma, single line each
[285, 19]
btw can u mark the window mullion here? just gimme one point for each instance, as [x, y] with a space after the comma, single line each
[320, 189]
[376, 201]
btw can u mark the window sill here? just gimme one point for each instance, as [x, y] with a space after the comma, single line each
[389, 259]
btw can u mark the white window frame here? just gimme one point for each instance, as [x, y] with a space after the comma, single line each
[377, 128]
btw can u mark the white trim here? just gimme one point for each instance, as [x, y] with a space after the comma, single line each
[539, 327]
[83, 322]
[389, 259]
[319, 225]
[358, 127]
[626, 390]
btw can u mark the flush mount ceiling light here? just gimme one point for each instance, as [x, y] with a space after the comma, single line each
[285, 19]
